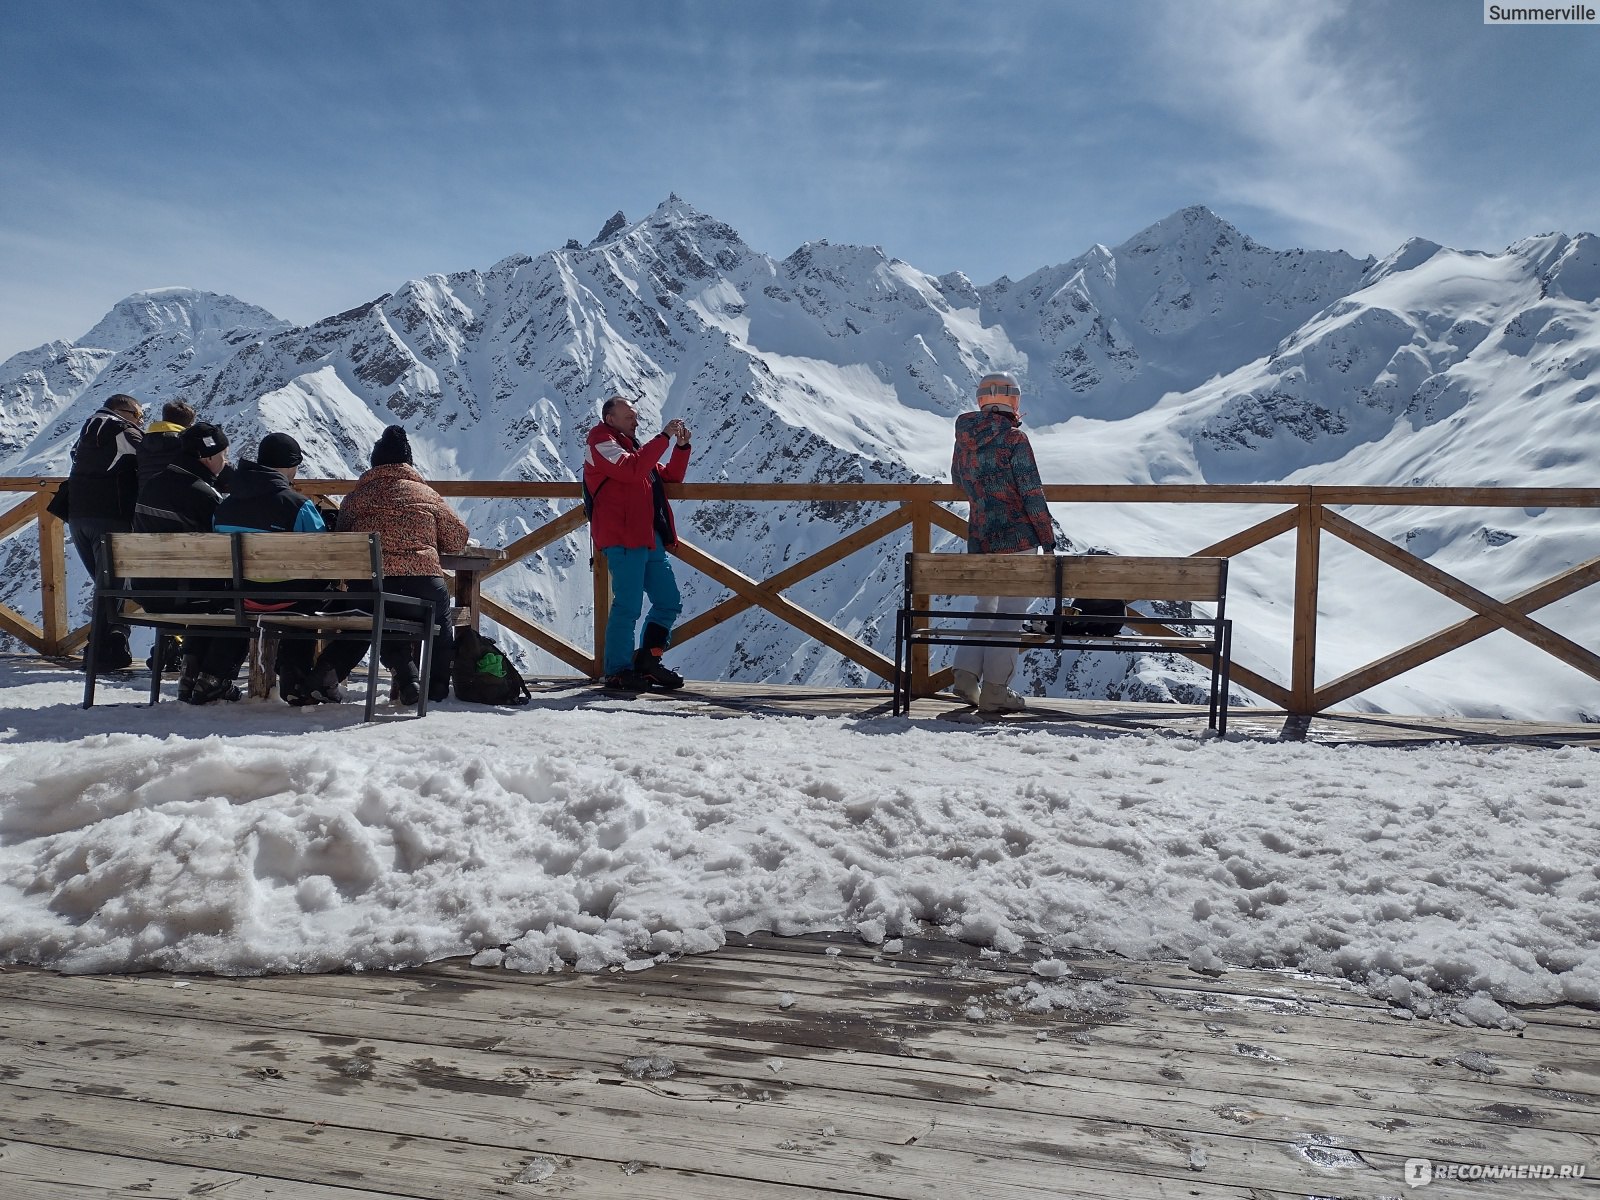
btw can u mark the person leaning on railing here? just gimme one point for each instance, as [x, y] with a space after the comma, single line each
[416, 526]
[994, 464]
[102, 489]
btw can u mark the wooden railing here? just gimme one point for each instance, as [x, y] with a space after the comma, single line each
[1308, 512]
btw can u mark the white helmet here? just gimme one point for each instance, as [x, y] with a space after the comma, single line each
[999, 389]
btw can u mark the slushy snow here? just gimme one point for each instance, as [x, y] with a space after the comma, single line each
[596, 832]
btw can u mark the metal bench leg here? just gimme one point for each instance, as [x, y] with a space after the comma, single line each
[89, 653]
[158, 664]
[1227, 672]
[372, 672]
[427, 667]
[1216, 669]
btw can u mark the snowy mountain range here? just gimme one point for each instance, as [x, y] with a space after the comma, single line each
[1187, 354]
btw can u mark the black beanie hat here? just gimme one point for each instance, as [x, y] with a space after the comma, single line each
[279, 450]
[203, 439]
[393, 447]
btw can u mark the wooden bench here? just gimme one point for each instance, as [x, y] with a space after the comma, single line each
[140, 580]
[1060, 579]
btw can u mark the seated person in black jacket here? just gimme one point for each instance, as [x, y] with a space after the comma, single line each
[182, 498]
[263, 500]
[163, 444]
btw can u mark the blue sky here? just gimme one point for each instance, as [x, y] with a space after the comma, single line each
[308, 156]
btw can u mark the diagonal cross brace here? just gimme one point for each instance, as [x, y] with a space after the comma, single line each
[1507, 616]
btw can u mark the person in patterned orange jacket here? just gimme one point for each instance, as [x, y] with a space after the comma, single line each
[416, 527]
[994, 464]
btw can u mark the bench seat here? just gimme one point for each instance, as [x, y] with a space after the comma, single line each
[1059, 580]
[139, 576]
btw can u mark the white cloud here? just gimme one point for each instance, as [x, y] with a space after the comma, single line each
[1310, 124]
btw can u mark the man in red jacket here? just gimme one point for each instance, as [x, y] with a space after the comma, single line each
[632, 526]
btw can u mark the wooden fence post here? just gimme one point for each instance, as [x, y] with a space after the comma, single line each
[52, 579]
[602, 610]
[263, 667]
[1307, 569]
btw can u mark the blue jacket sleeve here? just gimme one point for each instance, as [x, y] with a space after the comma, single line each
[308, 519]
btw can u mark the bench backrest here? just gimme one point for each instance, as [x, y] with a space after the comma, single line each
[310, 555]
[1087, 576]
[169, 555]
[262, 556]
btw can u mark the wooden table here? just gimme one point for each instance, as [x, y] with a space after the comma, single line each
[468, 569]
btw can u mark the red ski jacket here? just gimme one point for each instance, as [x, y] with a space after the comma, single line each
[624, 479]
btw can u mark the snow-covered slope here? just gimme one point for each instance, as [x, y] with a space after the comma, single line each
[1188, 353]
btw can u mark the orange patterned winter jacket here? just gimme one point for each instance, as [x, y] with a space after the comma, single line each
[414, 521]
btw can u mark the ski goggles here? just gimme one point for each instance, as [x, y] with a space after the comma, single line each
[999, 391]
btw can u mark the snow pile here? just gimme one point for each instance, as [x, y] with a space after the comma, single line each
[594, 831]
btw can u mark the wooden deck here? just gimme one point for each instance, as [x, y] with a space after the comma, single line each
[794, 1068]
[1091, 717]
[1088, 716]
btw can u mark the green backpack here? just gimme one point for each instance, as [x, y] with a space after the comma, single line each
[483, 675]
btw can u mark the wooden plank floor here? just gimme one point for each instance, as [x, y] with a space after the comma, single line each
[1090, 716]
[794, 1068]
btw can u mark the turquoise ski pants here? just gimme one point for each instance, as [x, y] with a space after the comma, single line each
[634, 575]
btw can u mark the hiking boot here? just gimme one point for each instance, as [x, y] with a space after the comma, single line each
[186, 688]
[996, 697]
[172, 655]
[966, 686]
[295, 690]
[324, 686]
[404, 687]
[627, 680]
[210, 688]
[113, 656]
[647, 659]
[648, 664]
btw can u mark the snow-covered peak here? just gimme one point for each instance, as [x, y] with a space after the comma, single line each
[1568, 267]
[617, 222]
[676, 217]
[35, 359]
[838, 264]
[1192, 230]
[1110, 332]
[1409, 255]
[677, 208]
[178, 309]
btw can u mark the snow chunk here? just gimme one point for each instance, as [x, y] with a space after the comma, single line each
[651, 1066]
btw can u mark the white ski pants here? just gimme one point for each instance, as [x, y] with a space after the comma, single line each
[992, 664]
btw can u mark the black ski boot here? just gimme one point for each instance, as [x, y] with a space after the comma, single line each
[191, 672]
[647, 659]
[626, 680]
[404, 687]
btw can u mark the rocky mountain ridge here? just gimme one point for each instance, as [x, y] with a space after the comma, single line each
[1189, 353]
